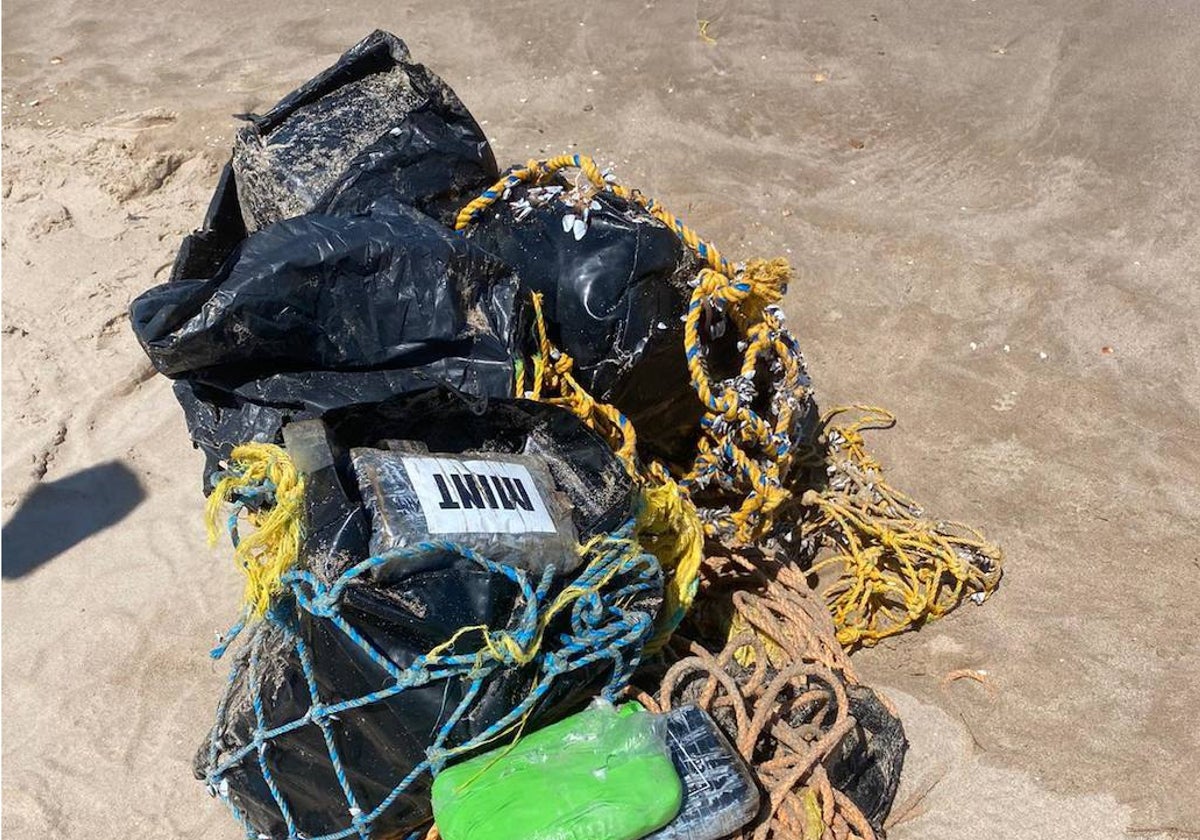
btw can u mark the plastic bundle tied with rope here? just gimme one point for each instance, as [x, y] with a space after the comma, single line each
[490, 446]
[773, 501]
[763, 471]
[343, 668]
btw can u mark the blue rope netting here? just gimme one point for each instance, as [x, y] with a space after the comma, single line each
[602, 626]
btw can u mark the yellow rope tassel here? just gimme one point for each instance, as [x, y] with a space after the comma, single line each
[814, 819]
[895, 568]
[745, 656]
[669, 527]
[274, 546]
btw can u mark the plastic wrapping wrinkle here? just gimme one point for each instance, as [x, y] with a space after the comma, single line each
[322, 312]
[866, 764]
[326, 292]
[374, 124]
[602, 774]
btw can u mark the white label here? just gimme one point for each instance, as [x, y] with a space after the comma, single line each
[477, 497]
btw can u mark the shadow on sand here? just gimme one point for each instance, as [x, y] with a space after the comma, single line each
[59, 514]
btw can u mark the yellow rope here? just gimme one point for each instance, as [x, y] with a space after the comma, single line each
[274, 545]
[896, 568]
[554, 383]
[746, 454]
[814, 819]
[669, 527]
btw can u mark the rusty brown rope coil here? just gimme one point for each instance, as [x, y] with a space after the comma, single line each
[779, 688]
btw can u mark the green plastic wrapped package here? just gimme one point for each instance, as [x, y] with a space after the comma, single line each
[603, 774]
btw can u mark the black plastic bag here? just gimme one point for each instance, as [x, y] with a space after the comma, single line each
[614, 299]
[403, 610]
[866, 764]
[432, 155]
[361, 298]
[373, 125]
[321, 312]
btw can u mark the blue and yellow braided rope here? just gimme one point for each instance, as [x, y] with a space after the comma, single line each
[746, 454]
[895, 570]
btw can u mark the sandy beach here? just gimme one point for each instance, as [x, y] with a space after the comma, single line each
[992, 214]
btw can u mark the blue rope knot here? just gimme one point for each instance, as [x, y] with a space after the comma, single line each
[588, 613]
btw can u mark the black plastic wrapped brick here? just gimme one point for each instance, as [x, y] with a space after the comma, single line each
[337, 524]
[866, 764]
[720, 794]
[424, 149]
[614, 299]
[373, 125]
[404, 609]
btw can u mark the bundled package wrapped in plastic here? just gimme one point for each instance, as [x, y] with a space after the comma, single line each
[369, 673]
[332, 147]
[587, 492]
[603, 774]
[469, 567]
[615, 283]
[504, 506]
[720, 794]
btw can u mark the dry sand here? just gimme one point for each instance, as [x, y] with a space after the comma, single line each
[978, 197]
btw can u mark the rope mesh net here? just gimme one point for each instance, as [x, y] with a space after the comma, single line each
[602, 627]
